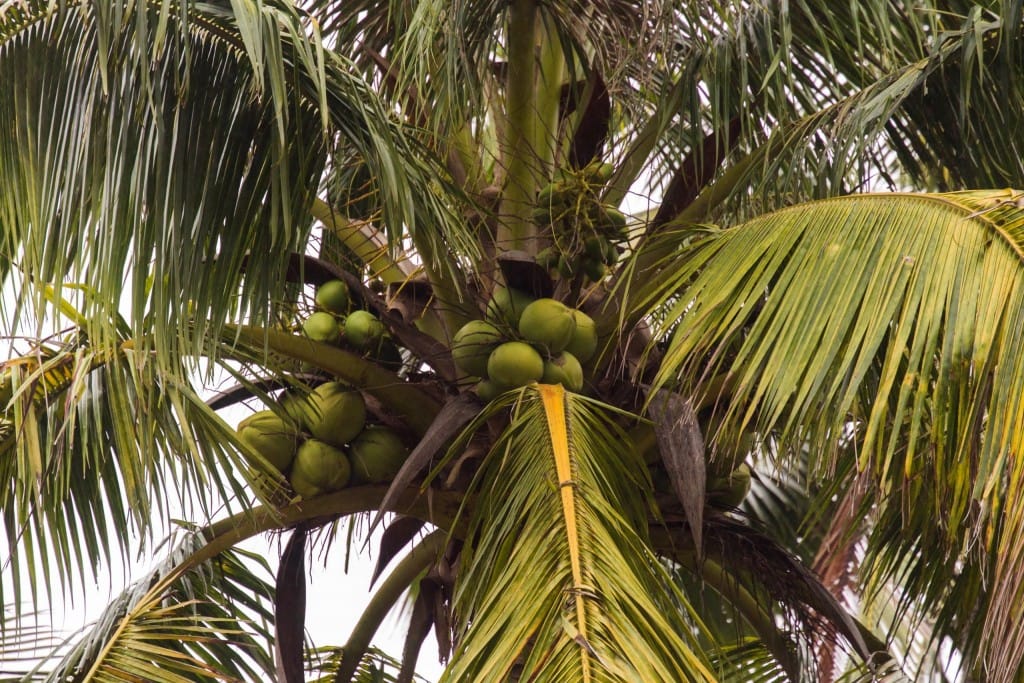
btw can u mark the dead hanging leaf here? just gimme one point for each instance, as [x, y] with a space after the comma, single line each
[521, 271]
[410, 298]
[682, 451]
[443, 621]
[454, 415]
[420, 622]
[290, 609]
[395, 537]
[592, 130]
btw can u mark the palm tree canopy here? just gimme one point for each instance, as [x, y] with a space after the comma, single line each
[710, 185]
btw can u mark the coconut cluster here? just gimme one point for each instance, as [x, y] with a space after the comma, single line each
[587, 235]
[322, 442]
[523, 340]
[334, 323]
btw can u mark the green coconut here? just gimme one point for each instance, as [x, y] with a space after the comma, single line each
[600, 171]
[594, 247]
[583, 343]
[271, 436]
[547, 258]
[507, 306]
[363, 330]
[548, 322]
[515, 364]
[611, 253]
[303, 487]
[614, 218]
[594, 269]
[299, 407]
[337, 413]
[322, 327]
[376, 455]
[321, 465]
[488, 390]
[333, 296]
[730, 491]
[563, 369]
[472, 346]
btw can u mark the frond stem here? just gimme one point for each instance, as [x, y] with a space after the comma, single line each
[354, 236]
[416, 407]
[411, 567]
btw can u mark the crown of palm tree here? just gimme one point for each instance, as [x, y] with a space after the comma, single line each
[792, 450]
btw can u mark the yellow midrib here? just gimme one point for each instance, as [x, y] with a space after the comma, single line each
[553, 399]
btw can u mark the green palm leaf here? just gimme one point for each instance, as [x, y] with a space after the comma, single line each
[917, 350]
[376, 666]
[569, 583]
[24, 640]
[211, 622]
[917, 94]
[132, 119]
[84, 477]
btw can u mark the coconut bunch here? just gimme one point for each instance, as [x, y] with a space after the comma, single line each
[586, 234]
[322, 442]
[522, 340]
[333, 322]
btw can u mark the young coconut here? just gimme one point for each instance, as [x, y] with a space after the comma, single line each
[376, 455]
[507, 306]
[583, 343]
[303, 487]
[337, 415]
[515, 364]
[564, 369]
[320, 465]
[488, 390]
[548, 322]
[729, 492]
[363, 330]
[299, 407]
[333, 296]
[472, 346]
[272, 437]
[322, 327]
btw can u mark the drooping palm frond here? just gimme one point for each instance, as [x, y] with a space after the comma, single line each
[130, 119]
[568, 582]
[916, 97]
[24, 640]
[118, 112]
[748, 661]
[87, 478]
[212, 622]
[376, 666]
[833, 317]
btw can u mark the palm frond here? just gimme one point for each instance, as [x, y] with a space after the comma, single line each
[24, 640]
[212, 622]
[131, 121]
[568, 581]
[376, 666]
[748, 662]
[94, 459]
[917, 353]
[916, 97]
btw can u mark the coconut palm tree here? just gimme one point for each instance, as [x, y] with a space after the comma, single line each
[791, 450]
